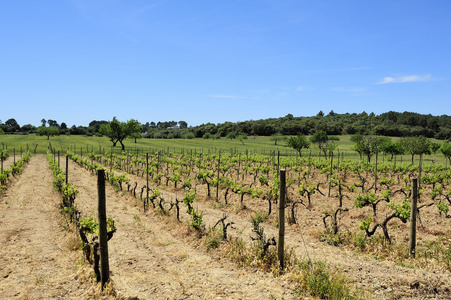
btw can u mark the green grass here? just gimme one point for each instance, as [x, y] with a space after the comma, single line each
[260, 145]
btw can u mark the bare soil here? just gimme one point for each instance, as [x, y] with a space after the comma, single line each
[150, 258]
[155, 257]
[382, 278]
[35, 259]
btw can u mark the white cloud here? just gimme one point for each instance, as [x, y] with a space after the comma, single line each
[230, 97]
[410, 78]
[224, 96]
[304, 88]
[350, 89]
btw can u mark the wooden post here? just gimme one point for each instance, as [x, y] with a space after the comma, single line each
[67, 169]
[103, 236]
[217, 178]
[281, 218]
[420, 166]
[147, 181]
[413, 217]
[58, 160]
[375, 175]
[331, 155]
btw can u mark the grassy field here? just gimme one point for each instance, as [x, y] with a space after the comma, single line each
[260, 145]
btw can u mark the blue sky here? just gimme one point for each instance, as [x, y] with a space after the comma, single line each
[202, 61]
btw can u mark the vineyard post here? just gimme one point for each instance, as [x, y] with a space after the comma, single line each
[58, 160]
[1, 158]
[14, 155]
[81, 152]
[217, 178]
[21, 155]
[281, 218]
[375, 175]
[278, 162]
[147, 180]
[309, 157]
[103, 235]
[420, 166]
[331, 155]
[67, 169]
[413, 217]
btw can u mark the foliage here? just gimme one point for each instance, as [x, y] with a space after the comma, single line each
[368, 145]
[196, 221]
[298, 143]
[48, 131]
[241, 137]
[416, 145]
[118, 131]
[322, 283]
[446, 150]
[324, 142]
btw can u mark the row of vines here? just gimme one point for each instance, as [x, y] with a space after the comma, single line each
[13, 170]
[357, 203]
[87, 226]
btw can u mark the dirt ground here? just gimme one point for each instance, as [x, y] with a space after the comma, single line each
[35, 259]
[9, 161]
[151, 257]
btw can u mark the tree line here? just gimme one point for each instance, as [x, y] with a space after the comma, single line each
[387, 124]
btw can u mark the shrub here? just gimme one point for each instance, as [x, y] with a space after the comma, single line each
[321, 282]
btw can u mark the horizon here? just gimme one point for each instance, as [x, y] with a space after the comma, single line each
[189, 125]
[76, 61]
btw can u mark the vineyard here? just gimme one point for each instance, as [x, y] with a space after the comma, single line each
[205, 225]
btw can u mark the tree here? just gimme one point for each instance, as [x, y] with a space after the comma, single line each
[183, 124]
[27, 128]
[241, 136]
[393, 149]
[446, 150]
[231, 135]
[11, 125]
[368, 144]
[136, 135]
[323, 142]
[48, 131]
[416, 145]
[118, 131]
[43, 121]
[298, 142]
[276, 137]
[435, 147]
[52, 123]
